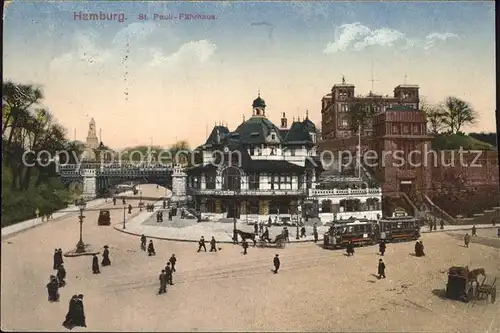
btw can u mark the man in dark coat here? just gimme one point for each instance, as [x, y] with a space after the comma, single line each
[350, 248]
[163, 282]
[418, 251]
[105, 256]
[213, 244]
[61, 259]
[53, 289]
[56, 259]
[129, 208]
[474, 231]
[245, 246]
[276, 262]
[172, 261]
[123, 201]
[315, 233]
[303, 232]
[80, 312]
[143, 242]
[265, 235]
[286, 234]
[421, 245]
[261, 227]
[69, 322]
[95, 265]
[114, 201]
[61, 275]
[168, 271]
[201, 244]
[151, 248]
[256, 228]
[381, 248]
[381, 269]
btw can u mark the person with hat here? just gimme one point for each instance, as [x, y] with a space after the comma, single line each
[168, 272]
[350, 248]
[61, 275]
[69, 322]
[105, 257]
[381, 248]
[466, 240]
[163, 282]
[245, 246]
[53, 289]
[172, 261]
[61, 260]
[56, 259]
[143, 242]
[201, 244]
[95, 265]
[213, 244]
[276, 262]
[151, 248]
[80, 312]
[381, 269]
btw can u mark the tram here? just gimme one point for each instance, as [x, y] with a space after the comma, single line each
[360, 232]
[399, 229]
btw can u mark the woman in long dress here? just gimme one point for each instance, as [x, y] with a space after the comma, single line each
[95, 265]
[53, 289]
[105, 256]
[69, 322]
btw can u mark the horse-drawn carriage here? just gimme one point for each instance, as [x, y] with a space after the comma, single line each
[279, 242]
[463, 285]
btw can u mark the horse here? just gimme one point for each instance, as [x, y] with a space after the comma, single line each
[473, 274]
[246, 235]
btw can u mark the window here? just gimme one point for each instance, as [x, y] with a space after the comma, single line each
[273, 136]
[326, 206]
[395, 129]
[344, 122]
[344, 107]
[210, 181]
[283, 182]
[253, 181]
[406, 129]
[416, 129]
[210, 206]
[253, 206]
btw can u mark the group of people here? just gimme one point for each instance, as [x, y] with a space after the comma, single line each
[213, 245]
[76, 313]
[166, 275]
[105, 260]
[419, 249]
[56, 281]
[159, 216]
[150, 207]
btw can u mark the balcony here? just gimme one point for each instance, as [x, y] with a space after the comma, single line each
[335, 192]
[256, 192]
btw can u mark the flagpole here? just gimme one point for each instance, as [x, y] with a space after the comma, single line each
[359, 151]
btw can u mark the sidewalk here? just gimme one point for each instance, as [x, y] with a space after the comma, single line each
[57, 215]
[425, 229]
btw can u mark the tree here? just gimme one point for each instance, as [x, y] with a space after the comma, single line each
[360, 116]
[435, 118]
[457, 113]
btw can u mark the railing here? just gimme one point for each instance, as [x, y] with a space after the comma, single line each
[246, 192]
[438, 212]
[365, 191]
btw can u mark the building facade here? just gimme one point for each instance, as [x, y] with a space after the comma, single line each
[257, 171]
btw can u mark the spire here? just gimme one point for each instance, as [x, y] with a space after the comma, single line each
[298, 119]
[100, 135]
[258, 93]
[343, 79]
[307, 114]
[243, 118]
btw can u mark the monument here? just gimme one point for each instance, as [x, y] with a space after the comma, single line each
[91, 143]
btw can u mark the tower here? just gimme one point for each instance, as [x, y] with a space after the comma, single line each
[92, 141]
[284, 121]
[338, 114]
[407, 94]
[259, 107]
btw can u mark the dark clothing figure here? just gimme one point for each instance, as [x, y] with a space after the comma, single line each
[114, 201]
[129, 208]
[172, 262]
[303, 232]
[466, 240]
[213, 245]
[201, 244]
[53, 289]
[164, 204]
[276, 262]
[441, 225]
[265, 235]
[350, 248]
[245, 246]
[474, 231]
[151, 249]
[498, 232]
[261, 228]
[61, 275]
[381, 269]
[143, 243]
[69, 322]
[168, 272]
[95, 265]
[161, 216]
[381, 248]
[422, 248]
[163, 282]
[158, 217]
[79, 312]
[255, 228]
[417, 250]
[61, 259]
[56, 260]
[124, 202]
[286, 234]
[105, 257]
[315, 234]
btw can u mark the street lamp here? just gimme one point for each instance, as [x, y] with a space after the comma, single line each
[80, 246]
[124, 209]
[299, 210]
[140, 201]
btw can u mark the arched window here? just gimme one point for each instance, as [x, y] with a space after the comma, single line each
[231, 179]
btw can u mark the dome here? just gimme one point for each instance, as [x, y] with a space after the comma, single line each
[259, 103]
[309, 125]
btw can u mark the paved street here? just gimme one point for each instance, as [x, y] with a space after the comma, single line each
[315, 289]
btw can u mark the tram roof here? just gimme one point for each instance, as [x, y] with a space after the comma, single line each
[399, 219]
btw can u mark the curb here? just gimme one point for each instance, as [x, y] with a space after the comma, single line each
[459, 229]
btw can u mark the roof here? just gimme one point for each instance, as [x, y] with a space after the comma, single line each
[259, 102]
[298, 133]
[212, 138]
[309, 125]
[400, 108]
[256, 129]
[271, 166]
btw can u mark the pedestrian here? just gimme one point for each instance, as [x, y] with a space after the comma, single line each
[161, 216]
[129, 208]
[381, 248]
[61, 275]
[350, 248]
[418, 252]
[163, 282]
[474, 230]
[261, 227]
[422, 248]
[69, 322]
[256, 228]
[53, 289]
[172, 261]
[277, 263]
[441, 225]
[303, 232]
[56, 260]
[151, 248]
[213, 245]
[168, 271]
[60, 255]
[123, 201]
[80, 312]
[95, 265]
[114, 201]
[315, 233]
[143, 242]
[466, 240]
[201, 244]
[381, 269]
[245, 246]
[105, 257]
[287, 235]
[158, 217]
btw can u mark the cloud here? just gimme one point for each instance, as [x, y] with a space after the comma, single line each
[134, 32]
[192, 52]
[85, 50]
[358, 37]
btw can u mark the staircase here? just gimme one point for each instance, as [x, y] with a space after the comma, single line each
[437, 212]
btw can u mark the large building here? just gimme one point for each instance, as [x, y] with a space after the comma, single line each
[257, 171]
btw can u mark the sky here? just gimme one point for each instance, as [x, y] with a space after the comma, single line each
[146, 78]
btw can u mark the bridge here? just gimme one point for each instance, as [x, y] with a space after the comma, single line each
[97, 179]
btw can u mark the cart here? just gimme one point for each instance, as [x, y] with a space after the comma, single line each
[458, 286]
[487, 290]
[279, 242]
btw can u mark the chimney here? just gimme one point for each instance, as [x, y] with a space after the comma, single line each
[284, 121]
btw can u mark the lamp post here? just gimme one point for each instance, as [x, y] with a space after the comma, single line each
[124, 209]
[299, 210]
[140, 201]
[80, 246]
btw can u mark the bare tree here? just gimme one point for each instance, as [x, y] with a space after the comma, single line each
[457, 113]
